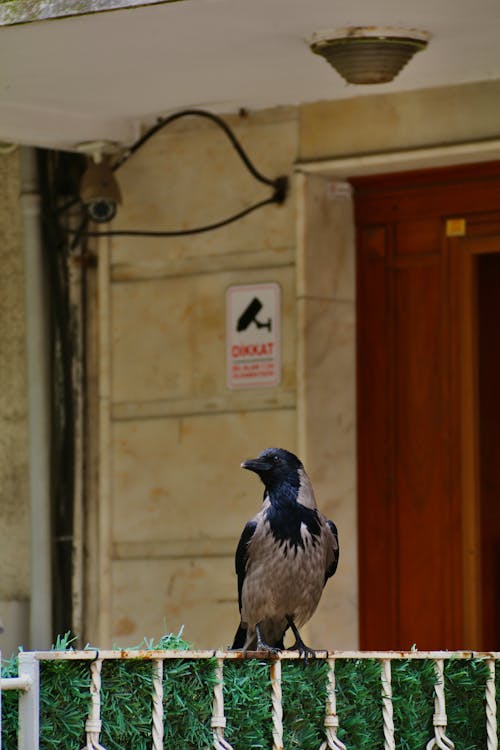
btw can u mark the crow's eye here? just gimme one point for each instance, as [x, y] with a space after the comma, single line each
[276, 459]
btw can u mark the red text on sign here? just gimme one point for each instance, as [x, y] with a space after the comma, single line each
[252, 350]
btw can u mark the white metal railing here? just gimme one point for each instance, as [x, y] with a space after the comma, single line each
[28, 684]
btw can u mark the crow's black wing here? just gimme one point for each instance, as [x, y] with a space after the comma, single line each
[332, 557]
[241, 557]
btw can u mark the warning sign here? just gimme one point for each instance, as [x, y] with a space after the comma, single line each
[253, 336]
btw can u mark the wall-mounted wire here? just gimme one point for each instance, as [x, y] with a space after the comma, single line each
[278, 196]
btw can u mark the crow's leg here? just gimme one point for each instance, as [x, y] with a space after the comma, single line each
[299, 644]
[262, 645]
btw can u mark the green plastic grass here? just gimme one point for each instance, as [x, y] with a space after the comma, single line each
[247, 704]
[304, 689]
[465, 683]
[413, 683]
[126, 702]
[64, 700]
[9, 707]
[188, 696]
[359, 703]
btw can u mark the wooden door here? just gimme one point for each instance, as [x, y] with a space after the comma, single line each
[421, 513]
[478, 262]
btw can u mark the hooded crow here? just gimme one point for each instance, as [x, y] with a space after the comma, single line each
[285, 555]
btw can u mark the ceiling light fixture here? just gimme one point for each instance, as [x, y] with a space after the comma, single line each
[368, 55]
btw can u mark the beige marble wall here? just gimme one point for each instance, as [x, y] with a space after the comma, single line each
[182, 504]
[326, 387]
[14, 498]
[406, 120]
[179, 348]
[178, 499]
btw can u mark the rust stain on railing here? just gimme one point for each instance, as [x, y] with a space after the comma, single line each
[89, 654]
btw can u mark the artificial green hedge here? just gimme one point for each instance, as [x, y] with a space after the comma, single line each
[188, 692]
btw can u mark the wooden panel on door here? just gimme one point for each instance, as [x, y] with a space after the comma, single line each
[378, 613]
[420, 459]
[413, 410]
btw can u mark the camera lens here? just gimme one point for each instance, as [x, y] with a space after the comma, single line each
[101, 210]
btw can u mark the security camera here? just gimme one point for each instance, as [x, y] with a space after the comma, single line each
[99, 191]
[101, 210]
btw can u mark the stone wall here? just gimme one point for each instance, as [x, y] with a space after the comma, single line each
[14, 498]
[177, 497]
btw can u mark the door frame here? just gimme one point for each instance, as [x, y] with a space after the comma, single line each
[403, 160]
[463, 253]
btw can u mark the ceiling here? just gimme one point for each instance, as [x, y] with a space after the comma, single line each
[100, 76]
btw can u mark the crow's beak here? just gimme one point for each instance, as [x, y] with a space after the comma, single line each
[258, 465]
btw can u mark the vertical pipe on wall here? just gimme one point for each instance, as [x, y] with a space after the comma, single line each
[37, 344]
[104, 480]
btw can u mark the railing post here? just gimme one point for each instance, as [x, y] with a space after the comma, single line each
[332, 742]
[387, 707]
[158, 729]
[29, 703]
[277, 705]
[440, 720]
[491, 708]
[93, 722]
[218, 718]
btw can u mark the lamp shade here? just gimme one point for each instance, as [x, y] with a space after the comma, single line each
[369, 55]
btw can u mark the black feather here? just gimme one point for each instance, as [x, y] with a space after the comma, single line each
[240, 637]
[333, 567]
[285, 520]
[241, 557]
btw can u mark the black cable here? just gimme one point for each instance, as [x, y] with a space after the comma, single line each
[78, 232]
[173, 233]
[209, 116]
[280, 185]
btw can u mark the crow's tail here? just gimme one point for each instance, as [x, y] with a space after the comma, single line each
[240, 637]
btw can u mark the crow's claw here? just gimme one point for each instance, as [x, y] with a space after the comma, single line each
[262, 646]
[305, 651]
[299, 644]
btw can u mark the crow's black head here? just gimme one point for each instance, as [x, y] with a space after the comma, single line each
[276, 466]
